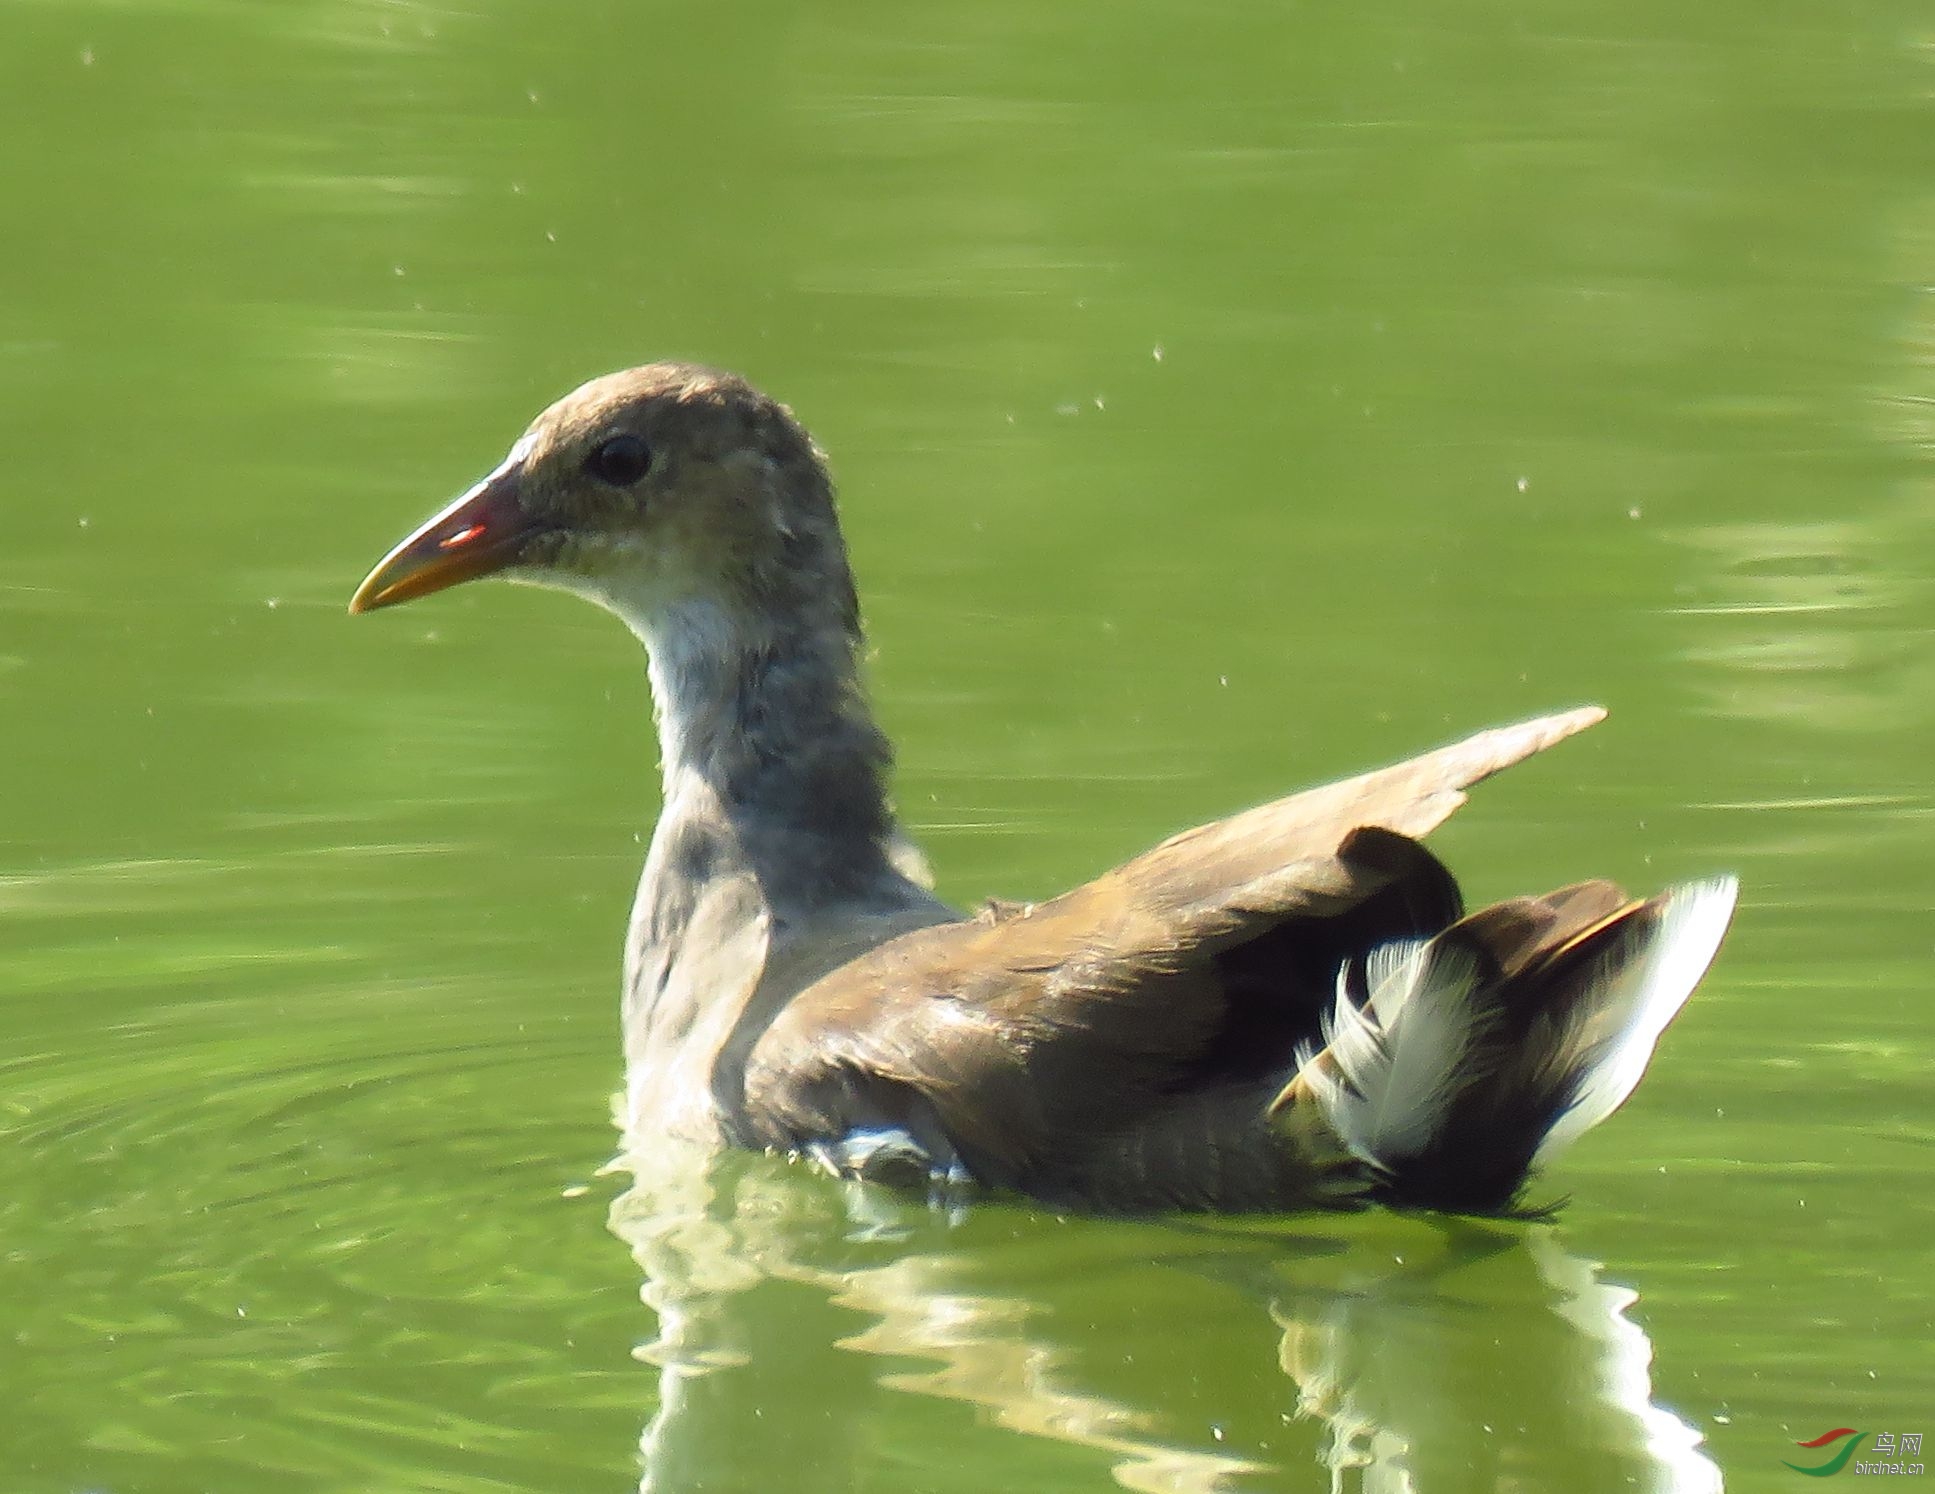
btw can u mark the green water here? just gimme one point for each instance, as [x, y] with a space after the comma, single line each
[1224, 397]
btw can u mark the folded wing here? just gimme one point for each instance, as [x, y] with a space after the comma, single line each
[1129, 1043]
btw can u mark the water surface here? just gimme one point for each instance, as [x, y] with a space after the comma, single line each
[1223, 397]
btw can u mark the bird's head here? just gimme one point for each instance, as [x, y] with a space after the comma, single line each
[648, 490]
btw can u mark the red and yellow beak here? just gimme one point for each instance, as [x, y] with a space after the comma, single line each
[483, 531]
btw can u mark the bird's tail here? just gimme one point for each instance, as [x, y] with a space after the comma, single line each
[1454, 1064]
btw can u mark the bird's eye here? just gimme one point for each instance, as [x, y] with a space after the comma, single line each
[619, 460]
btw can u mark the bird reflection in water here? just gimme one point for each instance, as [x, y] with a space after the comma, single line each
[820, 1328]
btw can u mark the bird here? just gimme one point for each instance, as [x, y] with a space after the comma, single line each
[1287, 1009]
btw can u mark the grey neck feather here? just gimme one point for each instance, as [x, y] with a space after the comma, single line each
[770, 753]
[774, 855]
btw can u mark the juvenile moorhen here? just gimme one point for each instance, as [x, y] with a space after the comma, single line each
[1286, 1009]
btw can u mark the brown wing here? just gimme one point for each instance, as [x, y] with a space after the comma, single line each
[1158, 1007]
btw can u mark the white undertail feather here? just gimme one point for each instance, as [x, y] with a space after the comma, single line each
[1391, 1070]
[1626, 1022]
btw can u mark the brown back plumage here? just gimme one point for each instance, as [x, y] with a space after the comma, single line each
[1134, 1044]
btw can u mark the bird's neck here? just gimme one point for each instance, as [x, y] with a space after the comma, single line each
[773, 763]
[768, 743]
[775, 853]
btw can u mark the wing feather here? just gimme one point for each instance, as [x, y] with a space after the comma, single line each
[1048, 1028]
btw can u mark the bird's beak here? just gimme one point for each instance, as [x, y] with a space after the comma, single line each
[483, 531]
